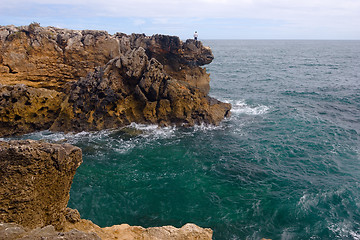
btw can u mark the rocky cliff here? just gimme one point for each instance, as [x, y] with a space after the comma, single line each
[90, 80]
[35, 180]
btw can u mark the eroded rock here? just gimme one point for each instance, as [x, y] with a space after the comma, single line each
[35, 180]
[50, 57]
[25, 109]
[134, 88]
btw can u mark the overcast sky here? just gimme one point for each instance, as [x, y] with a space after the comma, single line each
[213, 19]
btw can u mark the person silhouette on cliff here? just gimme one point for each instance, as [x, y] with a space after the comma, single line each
[196, 36]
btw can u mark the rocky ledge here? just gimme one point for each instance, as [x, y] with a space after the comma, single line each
[35, 180]
[68, 80]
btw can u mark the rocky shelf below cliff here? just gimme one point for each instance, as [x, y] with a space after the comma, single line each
[69, 80]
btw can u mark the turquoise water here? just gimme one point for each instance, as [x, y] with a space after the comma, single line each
[286, 165]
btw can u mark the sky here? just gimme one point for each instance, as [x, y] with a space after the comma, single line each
[212, 19]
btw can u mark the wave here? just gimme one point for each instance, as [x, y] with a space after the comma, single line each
[206, 127]
[241, 107]
[131, 135]
[153, 131]
[134, 132]
[344, 230]
[120, 140]
[314, 203]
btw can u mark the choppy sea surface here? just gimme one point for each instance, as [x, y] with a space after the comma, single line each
[286, 165]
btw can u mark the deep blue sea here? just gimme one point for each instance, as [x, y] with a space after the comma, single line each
[286, 165]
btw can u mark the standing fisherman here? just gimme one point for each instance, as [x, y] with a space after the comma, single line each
[195, 36]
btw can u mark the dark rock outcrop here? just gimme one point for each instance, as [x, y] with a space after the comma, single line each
[134, 88]
[35, 180]
[90, 80]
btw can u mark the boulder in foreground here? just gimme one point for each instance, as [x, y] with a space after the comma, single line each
[35, 180]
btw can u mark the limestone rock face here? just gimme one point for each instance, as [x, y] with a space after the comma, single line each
[90, 231]
[188, 231]
[35, 180]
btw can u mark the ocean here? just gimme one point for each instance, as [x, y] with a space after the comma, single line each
[285, 165]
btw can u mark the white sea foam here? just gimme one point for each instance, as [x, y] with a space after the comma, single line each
[154, 131]
[308, 201]
[206, 127]
[344, 230]
[120, 140]
[240, 107]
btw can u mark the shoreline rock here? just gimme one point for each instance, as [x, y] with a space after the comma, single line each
[91, 80]
[35, 180]
[90, 231]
